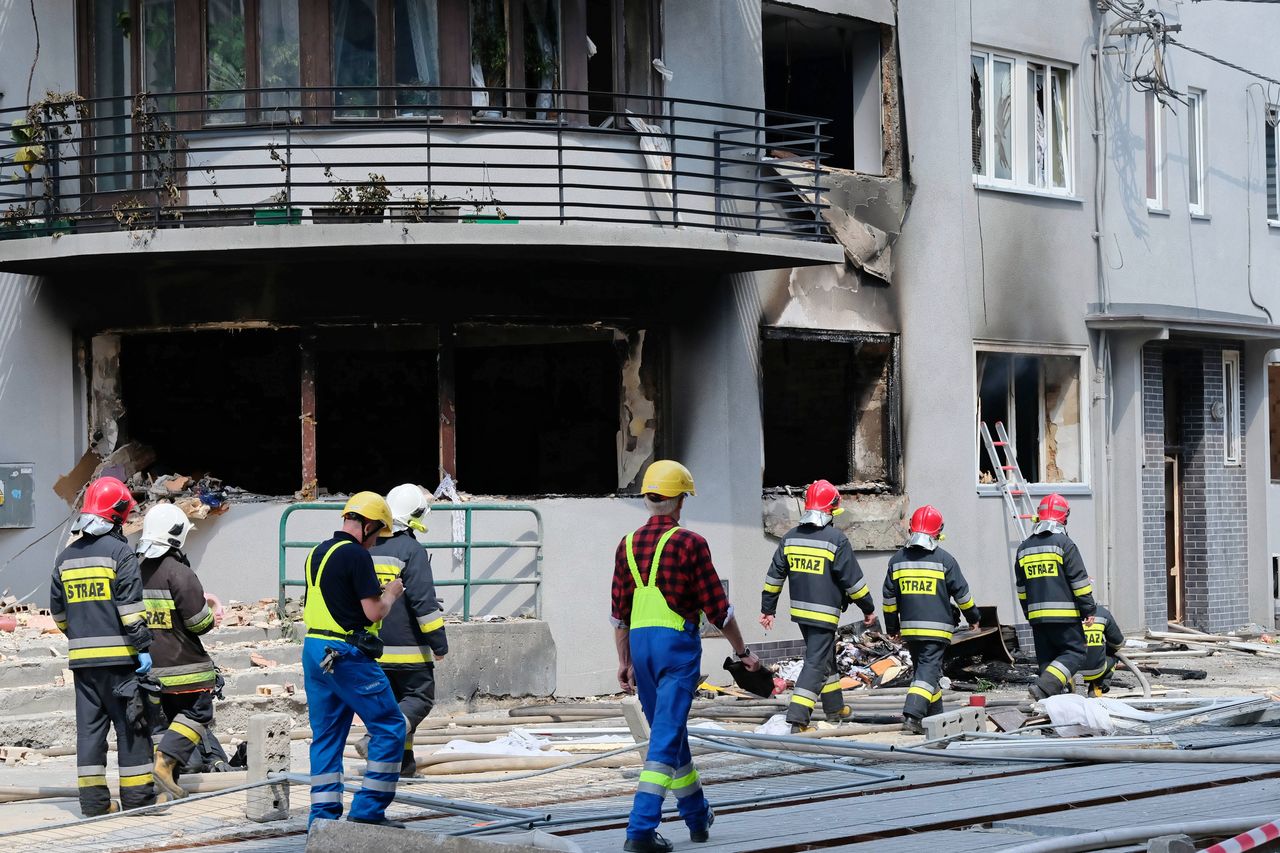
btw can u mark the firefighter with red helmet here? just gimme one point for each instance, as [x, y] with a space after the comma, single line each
[919, 586]
[1056, 595]
[95, 598]
[825, 578]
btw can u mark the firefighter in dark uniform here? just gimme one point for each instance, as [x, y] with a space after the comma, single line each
[342, 679]
[921, 582]
[96, 600]
[1056, 594]
[413, 632]
[1103, 639]
[178, 612]
[825, 577]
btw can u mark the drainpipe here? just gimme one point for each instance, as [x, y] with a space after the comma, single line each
[1102, 360]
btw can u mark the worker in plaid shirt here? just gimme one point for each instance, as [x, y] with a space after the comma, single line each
[663, 578]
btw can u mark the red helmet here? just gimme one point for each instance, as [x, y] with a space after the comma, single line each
[821, 496]
[108, 499]
[1053, 507]
[926, 520]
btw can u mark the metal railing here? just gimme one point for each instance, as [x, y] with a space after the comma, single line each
[467, 545]
[177, 160]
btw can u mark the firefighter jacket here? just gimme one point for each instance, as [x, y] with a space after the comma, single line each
[1053, 585]
[95, 597]
[413, 630]
[918, 589]
[824, 573]
[177, 615]
[1102, 640]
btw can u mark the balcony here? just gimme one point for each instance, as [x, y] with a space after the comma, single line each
[352, 172]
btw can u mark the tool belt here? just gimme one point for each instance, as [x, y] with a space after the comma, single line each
[366, 642]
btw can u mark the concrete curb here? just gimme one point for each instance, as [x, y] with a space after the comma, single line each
[341, 836]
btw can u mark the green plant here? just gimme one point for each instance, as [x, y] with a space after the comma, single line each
[489, 43]
[983, 685]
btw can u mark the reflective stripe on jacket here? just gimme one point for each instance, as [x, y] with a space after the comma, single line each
[413, 630]
[1102, 640]
[95, 597]
[918, 589]
[1052, 583]
[177, 614]
[824, 575]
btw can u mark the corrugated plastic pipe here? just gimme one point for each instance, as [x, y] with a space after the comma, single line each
[1107, 838]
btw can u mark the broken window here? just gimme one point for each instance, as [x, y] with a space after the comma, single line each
[218, 403]
[829, 66]
[537, 410]
[1037, 398]
[623, 40]
[830, 408]
[377, 421]
[1021, 122]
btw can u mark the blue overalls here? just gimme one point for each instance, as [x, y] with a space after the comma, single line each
[667, 655]
[355, 685]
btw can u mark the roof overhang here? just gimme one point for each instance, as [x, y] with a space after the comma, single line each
[688, 248]
[1162, 320]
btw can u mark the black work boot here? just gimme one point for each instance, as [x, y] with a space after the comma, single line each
[912, 725]
[653, 844]
[700, 836]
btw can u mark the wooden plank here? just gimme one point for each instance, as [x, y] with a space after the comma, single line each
[308, 418]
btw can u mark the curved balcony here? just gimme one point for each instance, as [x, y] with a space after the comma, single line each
[693, 183]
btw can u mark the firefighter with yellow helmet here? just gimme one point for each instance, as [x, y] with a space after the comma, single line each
[339, 665]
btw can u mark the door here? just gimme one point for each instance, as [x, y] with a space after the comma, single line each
[1175, 576]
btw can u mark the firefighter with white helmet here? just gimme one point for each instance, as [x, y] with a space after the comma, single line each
[825, 579]
[178, 613]
[1056, 596]
[342, 679]
[919, 586]
[412, 633]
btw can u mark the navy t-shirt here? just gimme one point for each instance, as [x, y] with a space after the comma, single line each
[348, 577]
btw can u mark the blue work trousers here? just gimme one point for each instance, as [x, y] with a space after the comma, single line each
[357, 685]
[667, 664]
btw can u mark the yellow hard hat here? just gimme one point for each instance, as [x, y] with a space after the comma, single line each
[372, 506]
[668, 478]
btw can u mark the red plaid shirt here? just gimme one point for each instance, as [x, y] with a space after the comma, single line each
[686, 575]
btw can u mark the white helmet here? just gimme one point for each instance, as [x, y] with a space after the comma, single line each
[165, 526]
[408, 505]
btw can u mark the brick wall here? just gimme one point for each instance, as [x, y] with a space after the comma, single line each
[1214, 522]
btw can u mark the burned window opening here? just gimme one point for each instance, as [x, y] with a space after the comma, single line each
[538, 415]
[830, 409]
[377, 422]
[216, 402]
[829, 66]
[1037, 398]
[1273, 418]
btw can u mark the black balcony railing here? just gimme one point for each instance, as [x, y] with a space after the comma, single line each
[426, 154]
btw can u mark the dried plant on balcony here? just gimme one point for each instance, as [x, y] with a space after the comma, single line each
[366, 200]
[158, 146]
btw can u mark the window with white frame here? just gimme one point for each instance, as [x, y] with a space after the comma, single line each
[1231, 407]
[1038, 398]
[1270, 130]
[1195, 151]
[1021, 122]
[1155, 152]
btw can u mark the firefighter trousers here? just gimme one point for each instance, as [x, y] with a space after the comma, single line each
[1060, 654]
[356, 685]
[667, 664]
[97, 710]
[819, 679]
[189, 715]
[415, 691]
[924, 696]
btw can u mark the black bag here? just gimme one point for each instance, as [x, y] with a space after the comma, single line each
[366, 642]
[135, 708]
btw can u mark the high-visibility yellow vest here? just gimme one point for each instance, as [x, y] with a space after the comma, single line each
[649, 608]
[319, 621]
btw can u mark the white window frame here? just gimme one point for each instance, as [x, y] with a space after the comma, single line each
[1020, 102]
[1036, 486]
[1231, 438]
[1196, 135]
[1271, 183]
[1154, 149]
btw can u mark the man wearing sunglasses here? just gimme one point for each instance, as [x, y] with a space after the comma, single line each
[413, 631]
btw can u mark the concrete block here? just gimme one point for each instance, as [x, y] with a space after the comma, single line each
[515, 658]
[1171, 844]
[634, 715]
[268, 753]
[340, 836]
[966, 719]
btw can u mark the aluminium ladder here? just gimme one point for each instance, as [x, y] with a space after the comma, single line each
[1009, 479]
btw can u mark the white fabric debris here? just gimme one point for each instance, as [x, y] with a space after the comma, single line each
[775, 725]
[1076, 716]
[514, 742]
[790, 670]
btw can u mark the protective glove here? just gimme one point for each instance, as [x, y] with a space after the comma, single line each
[144, 662]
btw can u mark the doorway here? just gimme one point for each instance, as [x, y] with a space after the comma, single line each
[1177, 391]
